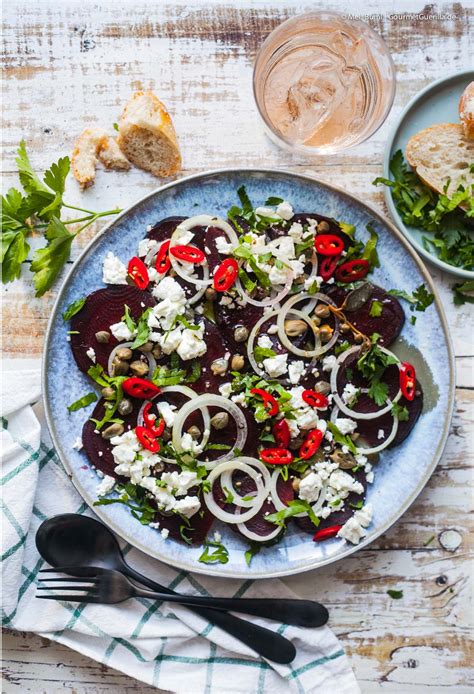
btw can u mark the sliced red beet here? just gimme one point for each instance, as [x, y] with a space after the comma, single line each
[199, 524]
[102, 309]
[217, 348]
[369, 428]
[214, 258]
[98, 449]
[337, 517]
[388, 325]
[258, 524]
[164, 228]
[228, 319]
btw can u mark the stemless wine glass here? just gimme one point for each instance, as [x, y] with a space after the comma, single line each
[323, 83]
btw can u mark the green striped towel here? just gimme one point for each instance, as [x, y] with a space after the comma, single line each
[163, 645]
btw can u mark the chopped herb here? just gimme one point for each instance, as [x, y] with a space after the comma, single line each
[73, 332]
[413, 320]
[82, 402]
[372, 365]
[115, 126]
[400, 411]
[428, 541]
[261, 353]
[461, 296]
[183, 529]
[341, 439]
[395, 594]
[357, 505]
[195, 373]
[143, 331]
[370, 250]
[375, 308]
[348, 229]
[184, 321]
[419, 300]
[292, 509]
[341, 347]
[229, 497]
[252, 551]
[73, 308]
[218, 447]
[249, 285]
[273, 201]
[214, 553]
[135, 498]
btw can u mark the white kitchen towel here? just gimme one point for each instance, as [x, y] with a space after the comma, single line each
[166, 646]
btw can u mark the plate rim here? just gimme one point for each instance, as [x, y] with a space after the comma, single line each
[419, 96]
[209, 570]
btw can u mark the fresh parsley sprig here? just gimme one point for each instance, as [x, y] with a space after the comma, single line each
[38, 208]
[214, 553]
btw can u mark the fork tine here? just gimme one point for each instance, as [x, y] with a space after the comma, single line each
[69, 598]
[69, 579]
[79, 570]
[64, 587]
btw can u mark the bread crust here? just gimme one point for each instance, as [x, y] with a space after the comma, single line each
[466, 110]
[144, 124]
[84, 156]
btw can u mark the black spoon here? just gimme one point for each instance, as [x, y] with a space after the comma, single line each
[74, 540]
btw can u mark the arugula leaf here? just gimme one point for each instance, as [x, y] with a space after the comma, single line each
[249, 285]
[184, 321]
[219, 555]
[255, 547]
[273, 201]
[136, 499]
[376, 308]
[82, 402]
[395, 594]
[166, 376]
[292, 509]
[128, 320]
[341, 439]
[261, 353]
[460, 296]
[348, 229]
[73, 308]
[49, 261]
[370, 249]
[143, 331]
[419, 300]
[195, 373]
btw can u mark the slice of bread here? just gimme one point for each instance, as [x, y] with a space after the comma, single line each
[440, 155]
[112, 156]
[147, 136]
[84, 156]
[466, 110]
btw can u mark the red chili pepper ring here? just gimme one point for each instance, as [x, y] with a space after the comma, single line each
[163, 262]
[407, 380]
[311, 444]
[269, 402]
[353, 270]
[140, 388]
[225, 275]
[147, 439]
[314, 399]
[138, 271]
[276, 456]
[281, 433]
[326, 533]
[328, 244]
[188, 254]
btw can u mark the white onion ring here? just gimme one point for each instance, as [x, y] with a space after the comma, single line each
[339, 401]
[277, 502]
[149, 357]
[375, 449]
[286, 342]
[318, 504]
[184, 390]
[226, 480]
[202, 402]
[254, 536]
[188, 224]
[269, 301]
[259, 498]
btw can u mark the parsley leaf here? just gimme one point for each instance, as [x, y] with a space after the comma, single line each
[419, 300]
[378, 391]
[143, 331]
[73, 308]
[272, 201]
[82, 402]
[395, 594]
[214, 553]
[400, 411]
[255, 547]
[376, 308]
[49, 261]
[341, 439]
[370, 250]
[261, 353]
[460, 296]
[292, 509]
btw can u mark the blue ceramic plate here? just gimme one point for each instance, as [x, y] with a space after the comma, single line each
[401, 473]
[437, 103]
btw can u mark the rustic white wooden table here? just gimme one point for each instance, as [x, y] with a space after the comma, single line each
[74, 63]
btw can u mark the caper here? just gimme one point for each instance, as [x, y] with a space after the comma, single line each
[112, 430]
[102, 336]
[358, 337]
[295, 443]
[344, 327]
[147, 347]
[108, 393]
[296, 484]
[139, 368]
[316, 320]
[211, 293]
[241, 333]
[194, 431]
[293, 328]
[323, 226]
[124, 353]
[119, 367]
[166, 436]
[156, 351]
[125, 407]
[325, 333]
[346, 461]
[158, 467]
[322, 311]
[219, 367]
[322, 387]
[220, 420]
[237, 363]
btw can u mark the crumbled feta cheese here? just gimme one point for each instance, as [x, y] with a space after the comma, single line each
[114, 271]
[167, 412]
[225, 389]
[189, 445]
[306, 417]
[267, 212]
[349, 394]
[78, 445]
[125, 447]
[295, 371]
[278, 275]
[165, 533]
[179, 483]
[346, 425]
[322, 425]
[273, 329]
[329, 362]
[342, 483]
[187, 506]
[91, 354]
[239, 399]
[310, 487]
[309, 282]
[155, 526]
[146, 245]
[192, 345]
[370, 477]
[106, 486]
[226, 301]
[264, 341]
[217, 536]
[121, 332]
[172, 304]
[170, 341]
[285, 210]
[223, 246]
[296, 232]
[380, 434]
[276, 366]
[354, 529]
